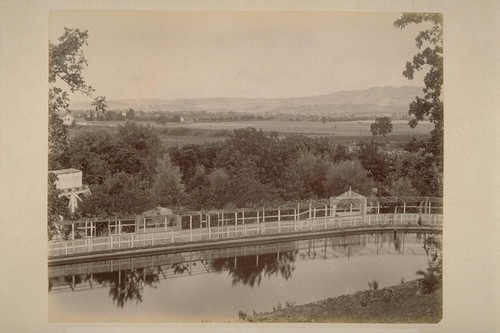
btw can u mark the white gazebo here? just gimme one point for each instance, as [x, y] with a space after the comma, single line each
[348, 203]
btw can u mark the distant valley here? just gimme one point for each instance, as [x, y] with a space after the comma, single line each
[377, 100]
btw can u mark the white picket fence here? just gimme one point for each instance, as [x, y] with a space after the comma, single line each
[165, 238]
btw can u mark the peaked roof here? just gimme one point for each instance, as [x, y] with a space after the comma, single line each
[158, 211]
[350, 195]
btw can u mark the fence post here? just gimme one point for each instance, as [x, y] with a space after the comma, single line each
[172, 236]
[294, 219]
[191, 227]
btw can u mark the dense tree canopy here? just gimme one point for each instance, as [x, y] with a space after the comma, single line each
[381, 126]
[250, 169]
[130, 114]
[430, 43]
[121, 194]
[342, 176]
[167, 188]
[375, 160]
[66, 62]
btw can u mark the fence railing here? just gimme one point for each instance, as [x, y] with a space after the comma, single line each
[210, 233]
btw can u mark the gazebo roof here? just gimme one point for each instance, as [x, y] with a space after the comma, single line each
[350, 195]
[157, 211]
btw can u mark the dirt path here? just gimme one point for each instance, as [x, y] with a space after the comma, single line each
[398, 304]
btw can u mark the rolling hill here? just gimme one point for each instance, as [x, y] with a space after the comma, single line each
[374, 100]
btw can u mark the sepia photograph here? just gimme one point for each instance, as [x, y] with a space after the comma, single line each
[245, 167]
[220, 166]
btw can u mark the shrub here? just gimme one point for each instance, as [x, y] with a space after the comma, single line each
[373, 284]
[242, 315]
[432, 277]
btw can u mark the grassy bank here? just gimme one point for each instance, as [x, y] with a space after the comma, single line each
[403, 303]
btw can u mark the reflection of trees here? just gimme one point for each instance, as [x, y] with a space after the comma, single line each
[249, 271]
[397, 244]
[127, 285]
[74, 280]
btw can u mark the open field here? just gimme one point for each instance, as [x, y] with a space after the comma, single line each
[358, 128]
[346, 133]
[172, 140]
[310, 128]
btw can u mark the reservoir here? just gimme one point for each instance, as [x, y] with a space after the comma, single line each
[215, 285]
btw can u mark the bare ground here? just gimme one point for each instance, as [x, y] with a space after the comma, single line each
[397, 304]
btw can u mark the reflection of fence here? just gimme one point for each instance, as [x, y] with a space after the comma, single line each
[168, 260]
[249, 229]
[90, 275]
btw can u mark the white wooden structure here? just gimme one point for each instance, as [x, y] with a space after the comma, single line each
[115, 233]
[348, 203]
[67, 119]
[69, 183]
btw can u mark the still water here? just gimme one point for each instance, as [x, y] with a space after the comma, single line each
[214, 285]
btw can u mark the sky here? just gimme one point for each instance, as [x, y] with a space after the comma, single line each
[166, 54]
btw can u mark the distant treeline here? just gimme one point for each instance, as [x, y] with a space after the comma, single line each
[130, 170]
[164, 117]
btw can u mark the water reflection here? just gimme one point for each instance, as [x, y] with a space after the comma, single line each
[127, 285]
[249, 270]
[127, 278]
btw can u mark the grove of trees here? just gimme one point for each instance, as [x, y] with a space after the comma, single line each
[130, 170]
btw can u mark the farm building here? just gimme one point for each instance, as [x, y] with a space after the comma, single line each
[67, 119]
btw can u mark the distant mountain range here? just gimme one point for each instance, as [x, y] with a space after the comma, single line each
[377, 100]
